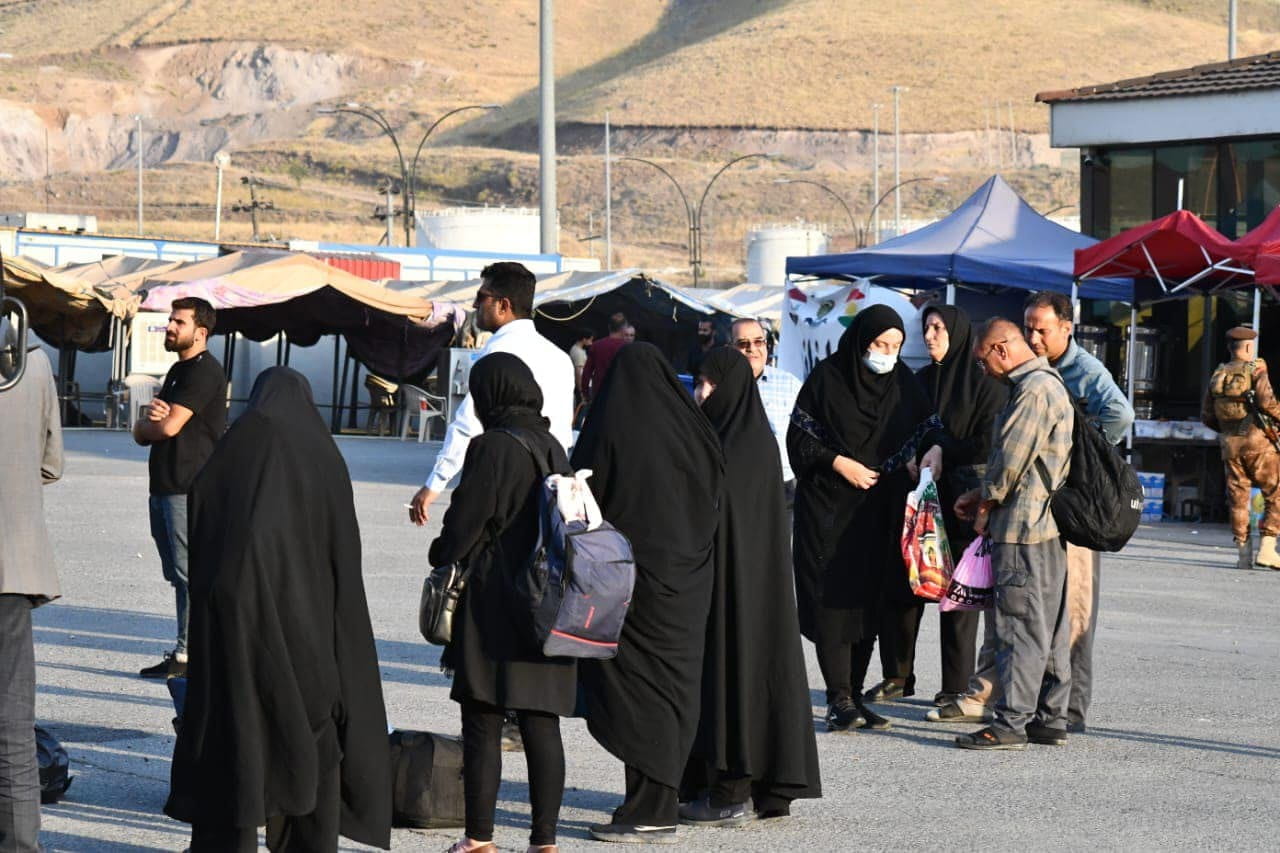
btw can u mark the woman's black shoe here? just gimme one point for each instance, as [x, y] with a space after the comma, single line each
[872, 720]
[844, 714]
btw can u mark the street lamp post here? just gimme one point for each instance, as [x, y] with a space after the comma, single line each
[695, 212]
[897, 160]
[408, 174]
[138, 119]
[852, 222]
[862, 242]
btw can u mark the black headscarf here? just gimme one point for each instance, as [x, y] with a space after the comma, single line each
[657, 472]
[505, 393]
[284, 684]
[963, 395]
[853, 409]
[756, 717]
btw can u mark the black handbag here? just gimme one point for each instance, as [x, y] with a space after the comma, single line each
[440, 593]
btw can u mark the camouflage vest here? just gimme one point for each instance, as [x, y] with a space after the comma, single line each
[1228, 385]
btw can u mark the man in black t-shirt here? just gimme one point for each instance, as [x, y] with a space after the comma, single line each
[182, 424]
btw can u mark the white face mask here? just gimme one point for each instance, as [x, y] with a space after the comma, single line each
[878, 362]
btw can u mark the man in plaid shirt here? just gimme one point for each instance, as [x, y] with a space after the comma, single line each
[1030, 456]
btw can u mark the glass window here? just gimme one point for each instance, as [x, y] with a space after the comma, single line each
[1196, 168]
[1131, 181]
[1254, 181]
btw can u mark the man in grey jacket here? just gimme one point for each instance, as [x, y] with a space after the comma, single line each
[32, 458]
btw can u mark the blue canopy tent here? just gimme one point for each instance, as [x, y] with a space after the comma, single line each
[994, 239]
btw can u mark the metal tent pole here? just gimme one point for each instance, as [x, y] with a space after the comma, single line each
[1133, 349]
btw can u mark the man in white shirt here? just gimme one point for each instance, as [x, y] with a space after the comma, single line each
[778, 388]
[504, 306]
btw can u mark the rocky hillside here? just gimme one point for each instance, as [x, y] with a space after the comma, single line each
[687, 82]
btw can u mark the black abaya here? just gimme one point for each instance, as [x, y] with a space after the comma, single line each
[284, 687]
[757, 721]
[491, 527]
[847, 558]
[657, 474]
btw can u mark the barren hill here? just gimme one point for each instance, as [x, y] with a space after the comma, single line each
[688, 81]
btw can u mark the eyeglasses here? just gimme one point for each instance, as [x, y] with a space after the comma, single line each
[744, 344]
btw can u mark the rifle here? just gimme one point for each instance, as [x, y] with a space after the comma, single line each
[1265, 421]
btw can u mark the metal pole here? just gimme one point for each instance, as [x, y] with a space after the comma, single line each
[1013, 140]
[1133, 329]
[1231, 29]
[897, 165]
[391, 218]
[217, 210]
[951, 293]
[1257, 318]
[608, 197]
[1075, 302]
[547, 127]
[875, 168]
[138, 119]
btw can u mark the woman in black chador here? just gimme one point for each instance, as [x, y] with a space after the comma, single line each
[491, 528]
[860, 420]
[755, 739]
[967, 400]
[284, 723]
[657, 477]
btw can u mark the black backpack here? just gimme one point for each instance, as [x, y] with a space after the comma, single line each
[426, 780]
[1100, 503]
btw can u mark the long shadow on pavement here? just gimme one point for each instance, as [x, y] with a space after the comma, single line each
[1249, 750]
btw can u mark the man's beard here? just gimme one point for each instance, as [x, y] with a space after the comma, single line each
[177, 344]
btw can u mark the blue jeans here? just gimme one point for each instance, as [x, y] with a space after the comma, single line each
[169, 529]
[19, 771]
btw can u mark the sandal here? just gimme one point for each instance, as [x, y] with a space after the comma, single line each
[991, 738]
[465, 846]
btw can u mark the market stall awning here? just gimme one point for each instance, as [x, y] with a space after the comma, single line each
[993, 239]
[1260, 249]
[1176, 252]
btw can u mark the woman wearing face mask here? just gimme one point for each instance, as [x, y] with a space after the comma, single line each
[860, 418]
[967, 401]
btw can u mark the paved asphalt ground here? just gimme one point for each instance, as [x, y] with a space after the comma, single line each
[1183, 750]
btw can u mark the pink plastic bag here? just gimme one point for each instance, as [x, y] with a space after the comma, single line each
[973, 585]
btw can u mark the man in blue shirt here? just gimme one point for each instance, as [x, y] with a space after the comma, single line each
[1047, 322]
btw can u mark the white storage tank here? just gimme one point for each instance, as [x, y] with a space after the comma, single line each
[510, 230]
[769, 248]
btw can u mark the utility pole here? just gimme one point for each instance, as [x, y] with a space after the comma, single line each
[1231, 29]
[1013, 139]
[547, 127]
[220, 160]
[875, 165]
[608, 197]
[389, 188]
[897, 162]
[252, 208]
[138, 119]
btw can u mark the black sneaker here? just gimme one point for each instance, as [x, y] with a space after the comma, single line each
[872, 720]
[1046, 735]
[702, 813]
[628, 833]
[843, 714]
[174, 665]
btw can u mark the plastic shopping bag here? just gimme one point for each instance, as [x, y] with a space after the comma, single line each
[973, 585]
[925, 550]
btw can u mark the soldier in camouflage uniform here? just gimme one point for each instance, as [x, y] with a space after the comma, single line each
[1248, 455]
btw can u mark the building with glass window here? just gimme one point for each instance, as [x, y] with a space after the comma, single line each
[1206, 139]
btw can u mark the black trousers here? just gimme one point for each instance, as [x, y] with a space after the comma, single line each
[844, 667]
[648, 802]
[959, 632]
[899, 627]
[312, 833]
[958, 629]
[482, 769]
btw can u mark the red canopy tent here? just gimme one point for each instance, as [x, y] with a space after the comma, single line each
[1260, 249]
[1177, 251]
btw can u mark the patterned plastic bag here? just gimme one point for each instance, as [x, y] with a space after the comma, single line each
[973, 585]
[925, 550]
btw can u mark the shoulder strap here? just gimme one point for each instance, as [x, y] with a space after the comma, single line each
[544, 469]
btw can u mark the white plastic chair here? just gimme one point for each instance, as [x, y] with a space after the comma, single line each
[142, 388]
[417, 403]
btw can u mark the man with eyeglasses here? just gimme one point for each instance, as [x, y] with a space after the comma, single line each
[503, 306]
[778, 389]
[1030, 457]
